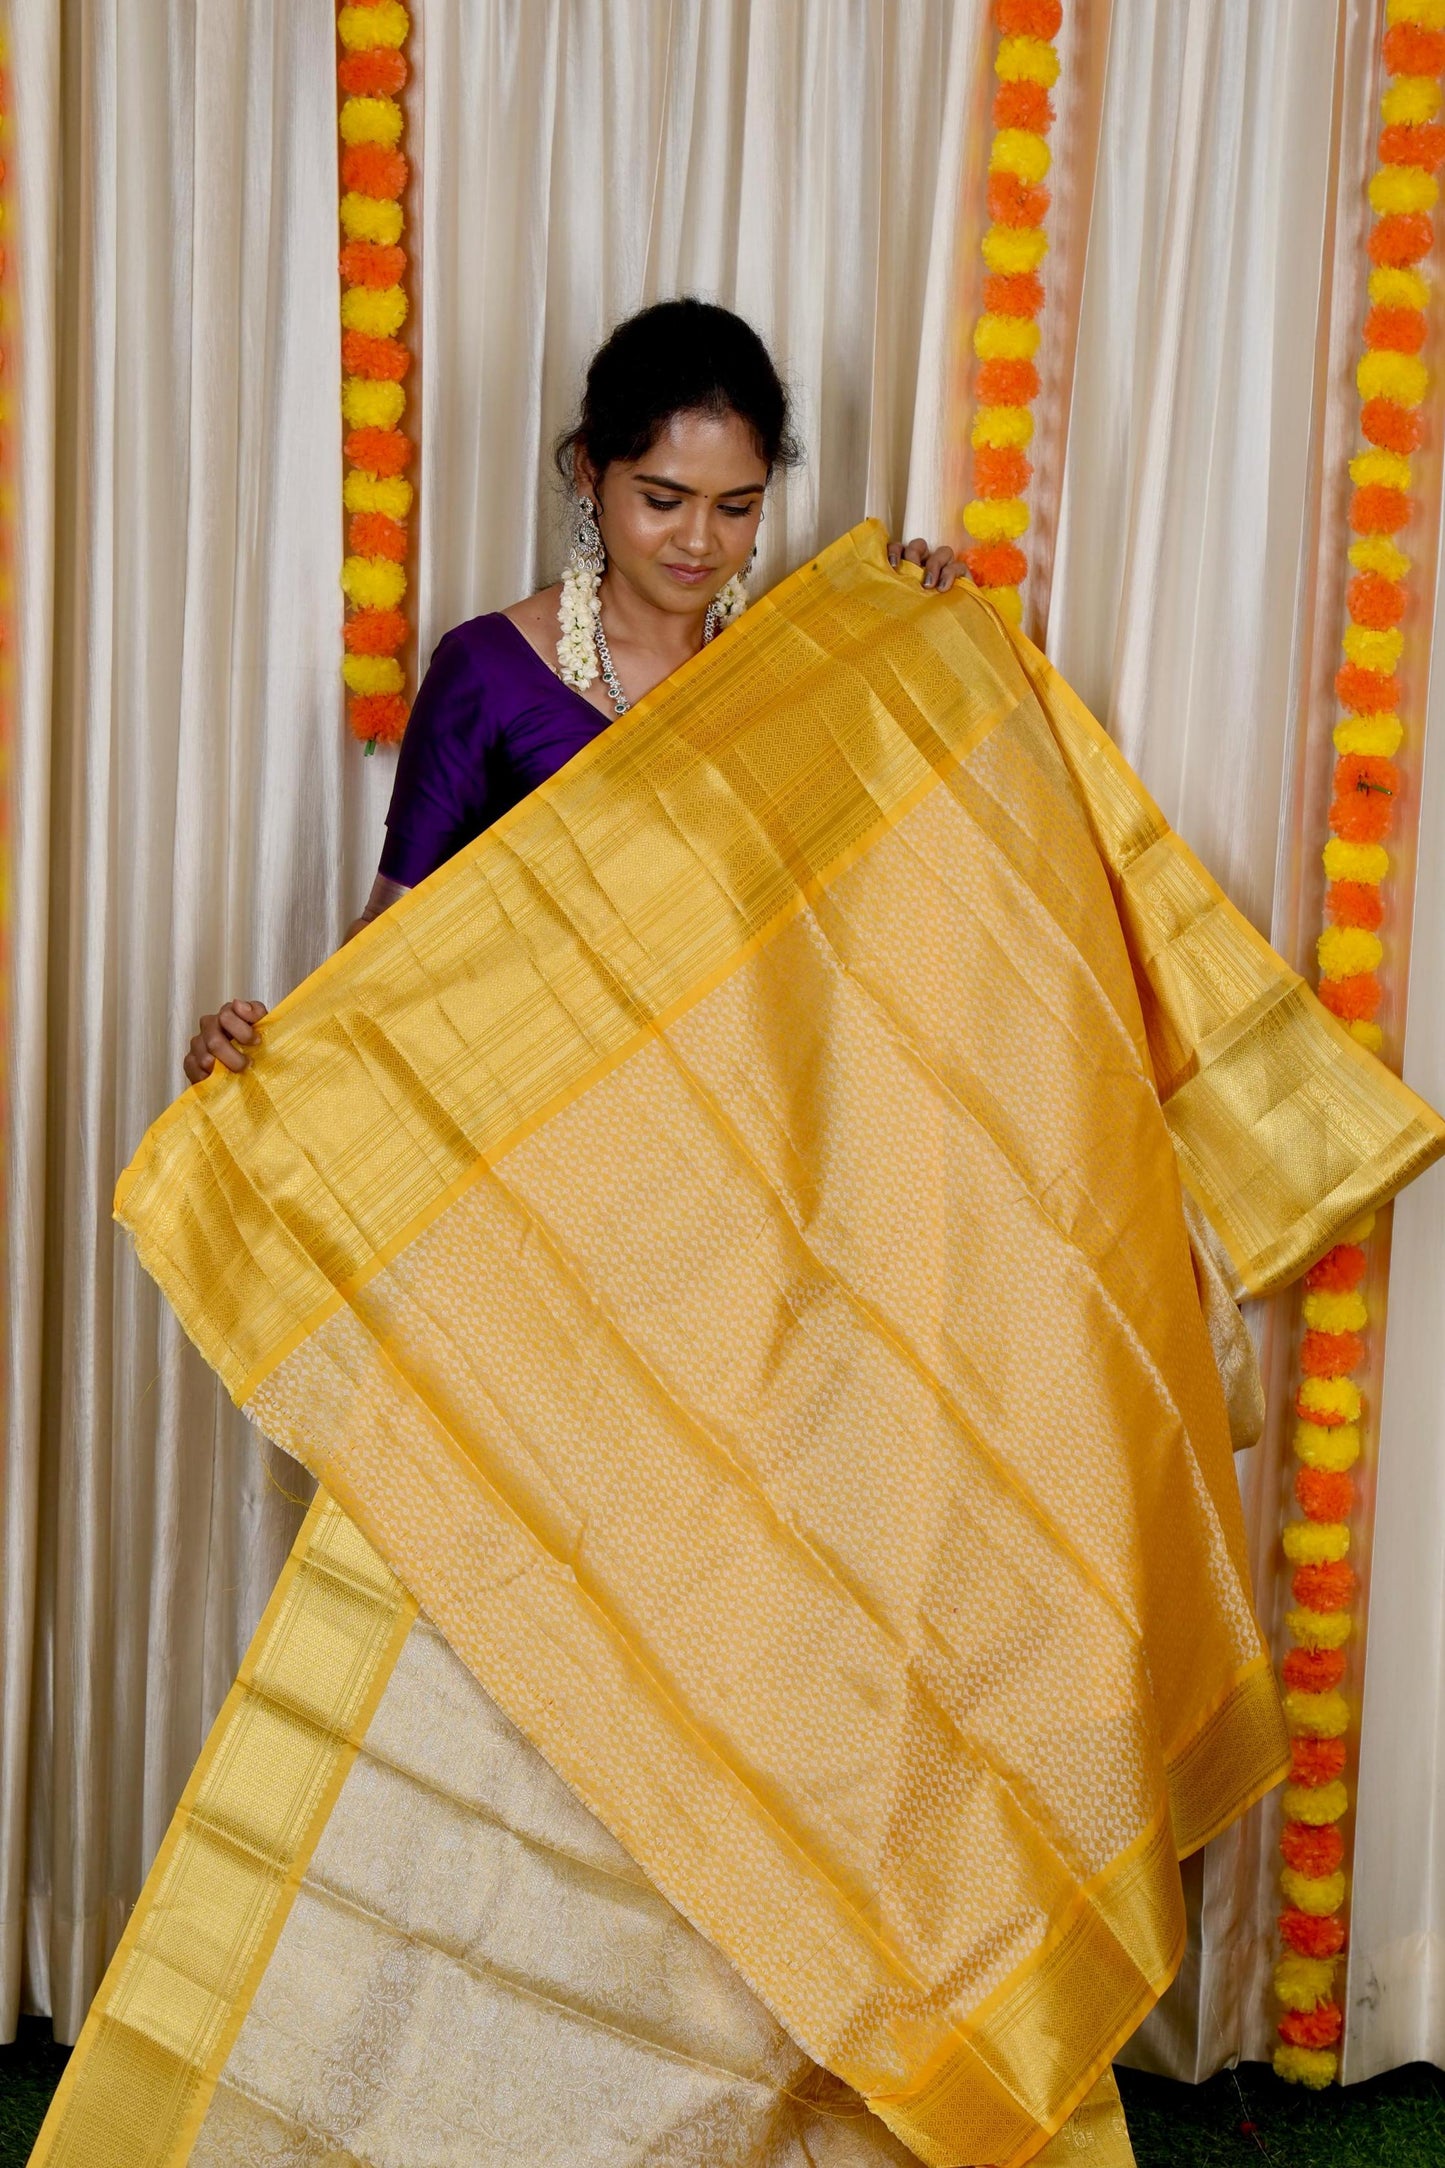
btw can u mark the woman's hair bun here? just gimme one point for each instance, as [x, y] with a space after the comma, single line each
[678, 357]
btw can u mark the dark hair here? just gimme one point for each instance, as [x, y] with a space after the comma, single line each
[678, 357]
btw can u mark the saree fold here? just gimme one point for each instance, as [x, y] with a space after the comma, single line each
[721, 1243]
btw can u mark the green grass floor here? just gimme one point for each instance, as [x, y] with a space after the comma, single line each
[1241, 2119]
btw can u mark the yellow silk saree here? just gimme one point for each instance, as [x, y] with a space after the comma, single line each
[777, 1610]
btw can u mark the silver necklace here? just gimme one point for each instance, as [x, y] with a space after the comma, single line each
[619, 699]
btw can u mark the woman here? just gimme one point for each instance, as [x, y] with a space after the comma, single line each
[721, 1247]
[684, 423]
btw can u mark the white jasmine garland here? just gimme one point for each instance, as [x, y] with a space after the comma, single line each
[577, 613]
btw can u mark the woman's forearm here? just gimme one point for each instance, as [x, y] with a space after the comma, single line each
[383, 895]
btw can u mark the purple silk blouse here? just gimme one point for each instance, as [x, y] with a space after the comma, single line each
[489, 723]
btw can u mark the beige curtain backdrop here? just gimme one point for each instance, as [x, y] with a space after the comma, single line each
[192, 820]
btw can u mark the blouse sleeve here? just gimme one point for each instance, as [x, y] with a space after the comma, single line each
[439, 799]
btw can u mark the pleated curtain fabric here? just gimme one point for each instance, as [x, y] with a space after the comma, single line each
[192, 821]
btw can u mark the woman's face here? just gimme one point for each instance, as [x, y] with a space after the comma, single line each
[680, 521]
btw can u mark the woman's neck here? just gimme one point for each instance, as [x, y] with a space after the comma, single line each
[635, 624]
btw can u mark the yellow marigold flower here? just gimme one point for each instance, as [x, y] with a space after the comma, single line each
[1315, 1803]
[1409, 100]
[1005, 338]
[1026, 60]
[370, 120]
[373, 583]
[1403, 188]
[1429, 14]
[1373, 650]
[1320, 1629]
[1377, 553]
[1319, 1894]
[1007, 249]
[998, 426]
[369, 405]
[1391, 468]
[1401, 377]
[1301, 1982]
[1314, 2067]
[1315, 1543]
[1370, 1036]
[372, 673]
[388, 493]
[1330, 1396]
[1335, 1446]
[1344, 951]
[361, 29]
[369, 218]
[996, 519]
[1368, 862]
[1020, 151]
[1006, 601]
[1369, 734]
[1392, 286]
[1327, 1311]
[379, 311]
[1317, 1716]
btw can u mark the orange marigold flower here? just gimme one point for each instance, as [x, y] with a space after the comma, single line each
[1000, 470]
[1325, 1494]
[1023, 105]
[385, 361]
[373, 170]
[1411, 50]
[1327, 1587]
[379, 451]
[1393, 428]
[372, 534]
[375, 632]
[1031, 18]
[1339, 1271]
[1312, 1848]
[372, 263]
[1354, 903]
[1310, 1935]
[1313, 1762]
[1377, 509]
[1367, 772]
[1375, 601]
[1007, 383]
[379, 73]
[1362, 816]
[1314, 1671]
[378, 716]
[1332, 1354]
[1013, 293]
[1317, 2028]
[1366, 692]
[1012, 202]
[996, 564]
[1417, 143]
[1395, 331]
[1404, 237]
[1354, 1001]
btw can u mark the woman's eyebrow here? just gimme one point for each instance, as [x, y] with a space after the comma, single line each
[680, 489]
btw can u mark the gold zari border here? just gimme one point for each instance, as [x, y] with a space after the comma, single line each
[178, 1988]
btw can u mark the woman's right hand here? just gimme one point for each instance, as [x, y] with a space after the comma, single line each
[224, 1039]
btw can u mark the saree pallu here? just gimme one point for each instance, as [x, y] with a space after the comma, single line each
[720, 1245]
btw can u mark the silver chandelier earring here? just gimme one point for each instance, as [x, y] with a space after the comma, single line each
[587, 550]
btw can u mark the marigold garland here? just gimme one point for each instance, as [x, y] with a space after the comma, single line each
[1006, 336]
[372, 71]
[1392, 381]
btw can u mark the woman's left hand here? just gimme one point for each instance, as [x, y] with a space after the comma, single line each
[940, 567]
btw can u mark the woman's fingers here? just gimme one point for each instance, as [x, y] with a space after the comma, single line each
[198, 1063]
[236, 1020]
[940, 566]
